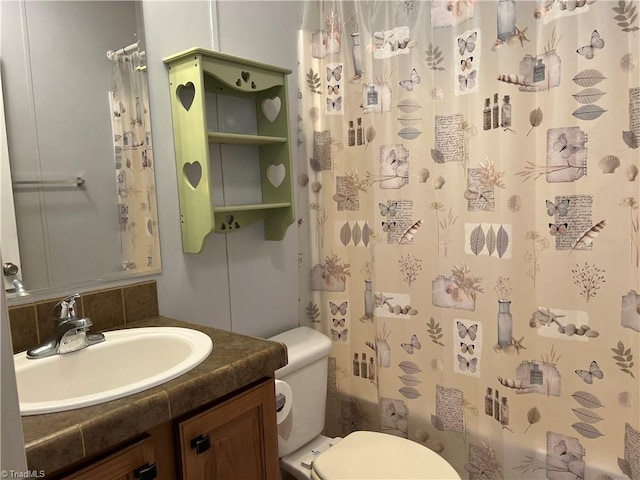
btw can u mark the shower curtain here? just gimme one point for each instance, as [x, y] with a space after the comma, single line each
[131, 126]
[468, 184]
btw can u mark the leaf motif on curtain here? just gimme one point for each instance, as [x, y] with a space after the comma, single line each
[477, 240]
[409, 367]
[588, 112]
[589, 77]
[586, 399]
[587, 430]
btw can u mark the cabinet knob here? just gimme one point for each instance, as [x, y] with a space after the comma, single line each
[201, 444]
[146, 472]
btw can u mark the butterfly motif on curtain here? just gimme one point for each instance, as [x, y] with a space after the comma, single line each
[388, 226]
[563, 148]
[561, 208]
[408, 5]
[467, 348]
[463, 331]
[466, 64]
[414, 79]
[388, 210]
[392, 413]
[339, 336]
[333, 89]
[392, 160]
[468, 44]
[414, 344]
[561, 450]
[589, 51]
[334, 73]
[467, 81]
[338, 322]
[334, 104]
[558, 228]
[342, 308]
[593, 372]
[470, 365]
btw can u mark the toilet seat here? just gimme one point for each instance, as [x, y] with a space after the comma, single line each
[372, 455]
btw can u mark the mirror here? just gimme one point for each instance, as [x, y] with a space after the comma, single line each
[80, 155]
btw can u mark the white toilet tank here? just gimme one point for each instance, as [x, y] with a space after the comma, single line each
[306, 373]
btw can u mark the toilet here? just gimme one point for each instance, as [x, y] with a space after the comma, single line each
[306, 454]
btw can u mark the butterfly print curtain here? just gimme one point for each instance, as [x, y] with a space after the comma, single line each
[133, 154]
[468, 202]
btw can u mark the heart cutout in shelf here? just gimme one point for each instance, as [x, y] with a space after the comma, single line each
[245, 76]
[193, 173]
[275, 174]
[271, 108]
[186, 94]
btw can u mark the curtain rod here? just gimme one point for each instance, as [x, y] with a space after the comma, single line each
[122, 51]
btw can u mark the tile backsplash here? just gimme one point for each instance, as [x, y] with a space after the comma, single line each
[31, 323]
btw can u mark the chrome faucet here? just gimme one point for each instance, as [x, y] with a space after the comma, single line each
[70, 334]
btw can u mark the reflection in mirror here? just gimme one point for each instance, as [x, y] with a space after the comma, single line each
[79, 137]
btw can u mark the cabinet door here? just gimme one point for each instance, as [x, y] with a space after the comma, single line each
[135, 462]
[234, 440]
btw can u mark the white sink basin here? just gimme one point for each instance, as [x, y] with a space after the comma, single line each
[127, 362]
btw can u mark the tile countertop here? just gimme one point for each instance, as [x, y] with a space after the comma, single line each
[56, 440]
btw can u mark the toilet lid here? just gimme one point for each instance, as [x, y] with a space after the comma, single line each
[373, 455]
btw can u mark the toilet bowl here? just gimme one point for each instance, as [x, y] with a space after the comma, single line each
[306, 454]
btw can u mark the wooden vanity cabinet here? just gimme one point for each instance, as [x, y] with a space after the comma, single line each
[135, 462]
[236, 439]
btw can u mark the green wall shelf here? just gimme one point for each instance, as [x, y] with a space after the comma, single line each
[195, 73]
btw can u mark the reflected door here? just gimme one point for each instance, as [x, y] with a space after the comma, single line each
[8, 229]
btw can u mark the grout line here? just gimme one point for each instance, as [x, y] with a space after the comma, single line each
[35, 315]
[124, 310]
[84, 448]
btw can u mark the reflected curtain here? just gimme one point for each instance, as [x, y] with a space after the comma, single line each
[468, 176]
[131, 125]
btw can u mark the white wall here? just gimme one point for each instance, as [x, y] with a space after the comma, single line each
[238, 282]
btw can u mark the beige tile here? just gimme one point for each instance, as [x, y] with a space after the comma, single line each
[24, 330]
[140, 301]
[104, 308]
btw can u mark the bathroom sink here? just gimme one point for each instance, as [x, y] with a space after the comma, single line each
[127, 362]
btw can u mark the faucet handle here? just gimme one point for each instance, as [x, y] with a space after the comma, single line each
[65, 309]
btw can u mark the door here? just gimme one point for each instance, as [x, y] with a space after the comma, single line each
[8, 229]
